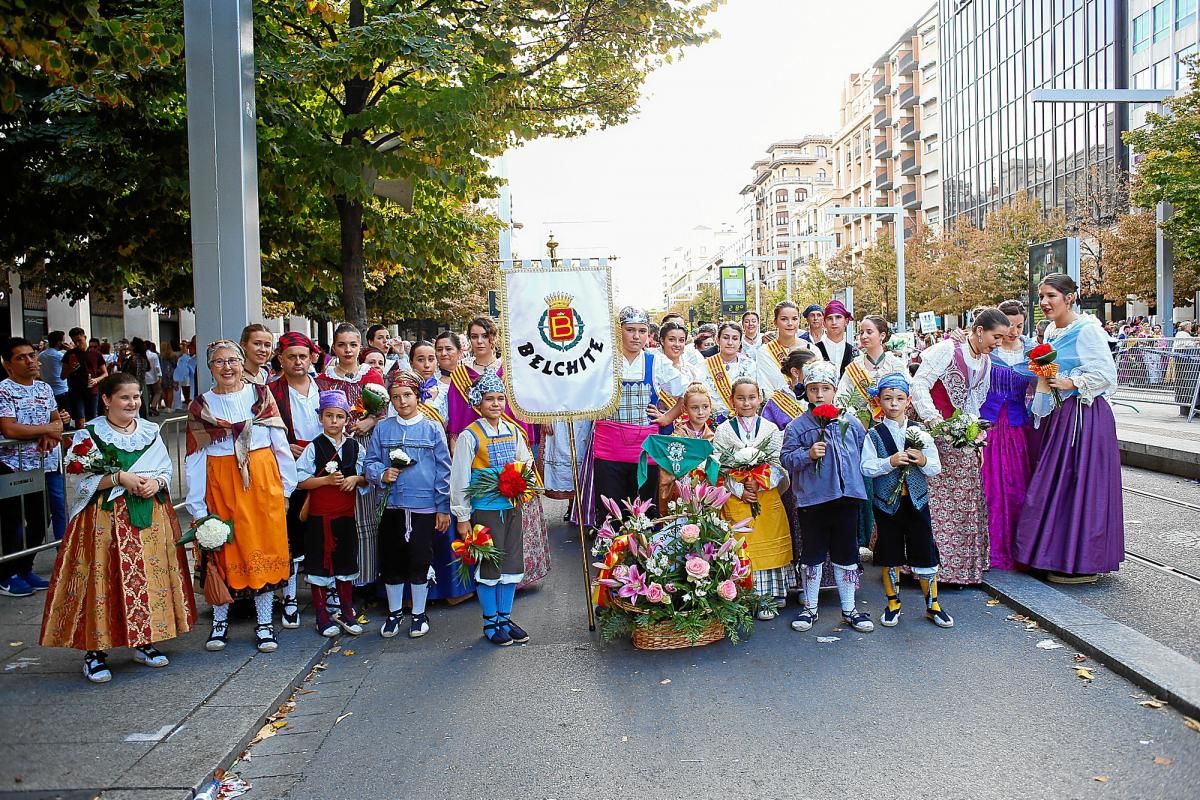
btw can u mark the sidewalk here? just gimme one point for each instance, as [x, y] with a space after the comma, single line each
[1154, 436]
[147, 734]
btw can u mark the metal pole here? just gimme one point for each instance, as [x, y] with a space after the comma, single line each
[222, 169]
[757, 284]
[787, 295]
[901, 307]
[583, 548]
[1164, 275]
[505, 208]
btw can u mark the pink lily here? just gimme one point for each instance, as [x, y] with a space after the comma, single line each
[633, 586]
[710, 551]
[610, 583]
[743, 526]
[611, 505]
[685, 490]
[718, 496]
[638, 507]
[633, 546]
[727, 546]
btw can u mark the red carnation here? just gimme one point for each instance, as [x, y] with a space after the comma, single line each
[1041, 350]
[510, 483]
[75, 468]
[83, 448]
[826, 413]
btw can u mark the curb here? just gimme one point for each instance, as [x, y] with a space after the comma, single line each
[1133, 655]
[1168, 460]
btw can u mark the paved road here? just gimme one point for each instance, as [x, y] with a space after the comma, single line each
[978, 711]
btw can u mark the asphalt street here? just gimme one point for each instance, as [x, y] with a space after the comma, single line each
[977, 711]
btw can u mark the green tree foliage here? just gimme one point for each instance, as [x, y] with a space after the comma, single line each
[1170, 167]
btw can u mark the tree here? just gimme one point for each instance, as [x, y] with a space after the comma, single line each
[1095, 202]
[1132, 260]
[876, 293]
[933, 263]
[426, 92]
[997, 264]
[1169, 144]
[812, 284]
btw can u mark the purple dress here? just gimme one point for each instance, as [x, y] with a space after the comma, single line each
[1007, 465]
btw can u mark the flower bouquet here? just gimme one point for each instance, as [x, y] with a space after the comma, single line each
[210, 534]
[825, 414]
[516, 482]
[1042, 364]
[85, 456]
[854, 404]
[476, 548]
[681, 581]
[374, 398]
[965, 431]
[912, 441]
[397, 459]
[747, 465]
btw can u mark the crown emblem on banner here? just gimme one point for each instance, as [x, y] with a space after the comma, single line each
[559, 300]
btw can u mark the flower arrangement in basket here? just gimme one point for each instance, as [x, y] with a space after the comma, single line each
[965, 431]
[680, 581]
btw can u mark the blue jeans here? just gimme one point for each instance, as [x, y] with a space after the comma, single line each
[56, 486]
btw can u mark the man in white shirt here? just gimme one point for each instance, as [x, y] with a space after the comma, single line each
[834, 346]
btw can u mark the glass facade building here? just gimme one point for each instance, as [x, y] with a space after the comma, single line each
[997, 143]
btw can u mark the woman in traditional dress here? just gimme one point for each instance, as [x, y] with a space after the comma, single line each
[1007, 462]
[687, 361]
[482, 334]
[447, 347]
[347, 375]
[955, 376]
[724, 367]
[431, 398]
[258, 343]
[119, 579]
[240, 469]
[379, 337]
[1072, 523]
[771, 356]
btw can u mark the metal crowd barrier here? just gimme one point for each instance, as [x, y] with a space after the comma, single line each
[15, 486]
[1159, 370]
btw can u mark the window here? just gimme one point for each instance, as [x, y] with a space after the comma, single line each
[1162, 74]
[1162, 20]
[781, 218]
[781, 195]
[822, 152]
[801, 195]
[1185, 13]
[929, 73]
[820, 174]
[1141, 32]
[1141, 79]
[1183, 65]
[931, 145]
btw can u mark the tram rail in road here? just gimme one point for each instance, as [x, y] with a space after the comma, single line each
[1154, 563]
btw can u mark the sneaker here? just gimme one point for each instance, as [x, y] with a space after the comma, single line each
[515, 631]
[859, 620]
[781, 602]
[16, 587]
[218, 637]
[291, 613]
[329, 630]
[889, 618]
[497, 634]
[348, 624]
[940, 618]
[264, 639]
[94, 668]
[151, 656]
[391, 625]
[767, 614]
[36, 582]
[804, 620]
[418, 627]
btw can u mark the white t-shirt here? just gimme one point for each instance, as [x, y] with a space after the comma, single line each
[155, 372]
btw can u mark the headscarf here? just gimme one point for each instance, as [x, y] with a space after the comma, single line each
[811, 308]
[893, 380]
[225, 344]
[837, 307]
[332, 398]
[631, 315]
[820, 372]
[488, 382]
[297, 339]
[404, 377]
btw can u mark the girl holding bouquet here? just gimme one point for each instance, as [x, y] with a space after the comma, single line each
[1072, 523]
[120, 508]
[240, 469]
[748, 447]
[955, 376]
[407, 459]
[356, 380]
[484, 449]
[695, 423]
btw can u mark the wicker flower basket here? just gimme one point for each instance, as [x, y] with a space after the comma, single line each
[663, 636]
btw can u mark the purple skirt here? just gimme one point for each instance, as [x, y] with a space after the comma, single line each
[1073, 521]
[1006, 471]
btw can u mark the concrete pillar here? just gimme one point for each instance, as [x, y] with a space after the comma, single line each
[187, 324]
[62, 315]
[299, 325]
[275, 326]
[141, 321]
[16, 305]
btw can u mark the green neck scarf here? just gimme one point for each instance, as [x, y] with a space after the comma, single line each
[678, 456]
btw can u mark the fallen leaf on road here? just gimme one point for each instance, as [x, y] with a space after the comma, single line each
[1153, 702]
[1084, 673]
[1163, 761]
[828, 639]
[1017, 618]
[279, 723]
[265, 732]
[1031, 625]
[664, 681]
[1048, 644]
[15, 644]
[1079, 657]
[347, 652]
[993, 602]
[624, 738]
[306, 691]
[1101, 779]
[577, 690]
[343, 716]
[1191, 724]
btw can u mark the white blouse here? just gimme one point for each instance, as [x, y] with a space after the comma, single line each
[742, 367]
[935, 361]
[770, 378]
[235, 407]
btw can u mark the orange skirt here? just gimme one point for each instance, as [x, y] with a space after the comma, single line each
[257, 559]
[116, 586]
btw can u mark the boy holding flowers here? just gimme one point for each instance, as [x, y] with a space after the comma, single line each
[899, 456]
[483, 492]
[407, 458]
[822, 449]
[330, 469]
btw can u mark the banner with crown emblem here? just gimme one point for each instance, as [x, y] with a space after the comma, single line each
[559, 341]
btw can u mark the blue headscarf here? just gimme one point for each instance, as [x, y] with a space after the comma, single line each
[893, 380]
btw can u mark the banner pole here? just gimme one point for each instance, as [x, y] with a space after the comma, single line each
[583, 547]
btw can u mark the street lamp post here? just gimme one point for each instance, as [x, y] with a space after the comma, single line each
[897, 213]
[792, 256]
[1164, 271]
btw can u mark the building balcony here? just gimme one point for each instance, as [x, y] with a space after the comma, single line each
[910, 228]
[910, 162]
[907, 95]
[911, 198]
[883, 199]
[881, 86]
[906, 64]
[883, 144]
[883, 177]
[909, 129]
[883, 115]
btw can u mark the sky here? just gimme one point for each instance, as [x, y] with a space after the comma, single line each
[636, 190]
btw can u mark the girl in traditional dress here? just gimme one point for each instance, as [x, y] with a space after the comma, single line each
[119, 579]
[380, 338]
[694, 423]
[258, 343]
[771, 355]
[483, 335]
[687, 361]
[240, 469]
[769, 542]
[1072, 523]
[1007, 461]
[430, 394]
[724, 367]
[347, 375]
[956, 376]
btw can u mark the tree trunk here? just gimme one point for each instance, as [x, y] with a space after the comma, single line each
[354, 288]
